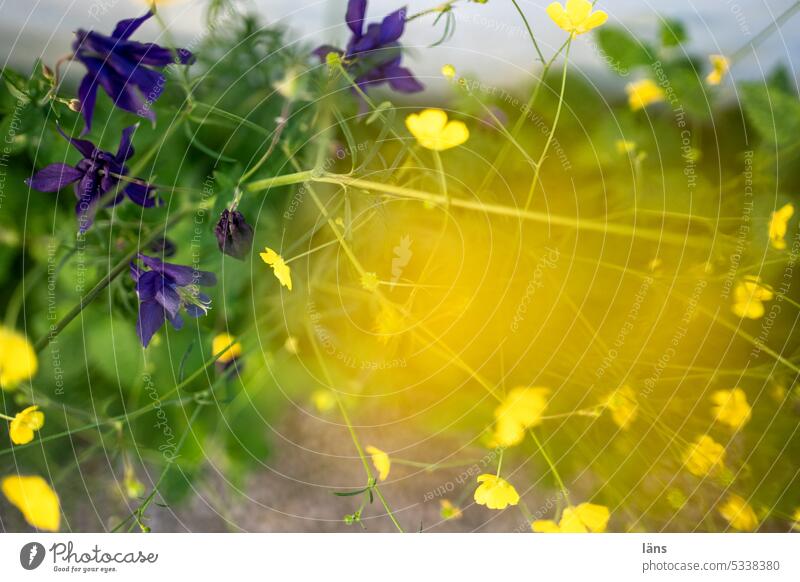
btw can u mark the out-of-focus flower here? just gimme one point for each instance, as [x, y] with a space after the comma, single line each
[584, 518]
[95, 175]
[576, 17]
[738, 513]
[25, 424]
[434, 132]
[163, 290]
[373, 55]
[731, 407]
[388, 323]
[381, 461]
[778, 225]
[369, 281]
[748, 297]
[623, 406]
[449, 511]
[18, 361]
[133, 487]
[124, 68]
[521, 409]
[448, 71]
[704, 457]
[282, 271]
[323, 400]
[625, 146]
[291, 345]
[228, 348]
[796, 519]
[163, 247]
[719, 68]
[234, 235]
[643, 93]
[495, 492]
[35, 499]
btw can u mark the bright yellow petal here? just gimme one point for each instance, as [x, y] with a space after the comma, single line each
[738, 513]
[571, 522]
[25, 424]
[227, 342]
[594, 517]
[279, 267]
[557, 13]
[578, 10]
[35, 499]
[381, 461]
[598, 18]
[18, 361]
[454, 134]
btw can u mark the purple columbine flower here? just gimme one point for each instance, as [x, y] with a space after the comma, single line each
[163, 290]
[125, 69]
[95, 175]
[375, 54]
[234, 235]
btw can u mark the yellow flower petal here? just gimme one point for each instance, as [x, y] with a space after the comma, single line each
[577, 17]
[521, 409]
[449, 511]
[720, 66]
[17, 359]
[585, 518]
[26, 423]
[381, 461]
[623, 406]
[704, 457]
[738, 513]
[545, 526]
[434, 132]
[495, 492]
[448, 71]
[594, 517]
[227, 342]
[323, 400]
[748, 297]
[35, 499]
[731, 407]
[282, 271]
[643, 93]
[778, 226]
[369, 281]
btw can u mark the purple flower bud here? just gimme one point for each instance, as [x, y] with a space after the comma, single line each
[234, 235]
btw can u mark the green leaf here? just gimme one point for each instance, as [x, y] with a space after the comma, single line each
[672, 33]
[774, 114]
[621, 51]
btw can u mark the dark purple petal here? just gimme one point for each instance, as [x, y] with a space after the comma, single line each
[148, 284]
[87, 95]
[125, 28]
[85, 209]
[54, 177]
[169, 299]
[144, 196]
[124, 94]
[125, 150]
[180, 274]
[402, 80]
[148, 53]
[356, 10]
[135, 271]
[392, 26]
[84, 146]
[176, 320]
[151, 318]
[368, 42]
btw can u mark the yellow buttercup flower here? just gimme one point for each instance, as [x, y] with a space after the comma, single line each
[576, 17]
[227, 342]
[796, 519]
[26, 423]
[369, 281]
[623, 406]
[495, 492]
[704, 457]
[748, 297]
[381, 461]
[643, 93]
[720, 66]
[731, 407]
[738, 513]
[585, 518]
[625, 146]
[17, 359]
[434, 132]
[778, 225]
[448, 71]
[35, 499]
[449, 511]
[521, 409]
[279, 267]
[323, 400]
